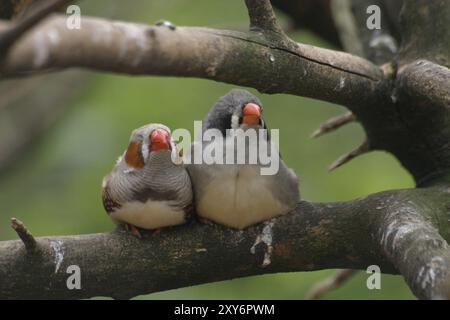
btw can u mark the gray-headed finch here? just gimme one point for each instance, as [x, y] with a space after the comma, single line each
[238, 195]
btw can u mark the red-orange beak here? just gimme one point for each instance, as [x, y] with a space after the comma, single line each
[251, 113]
[159, 140]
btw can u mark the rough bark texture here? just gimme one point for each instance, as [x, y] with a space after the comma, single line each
[313, 237]
[402, 105]
[233, 57]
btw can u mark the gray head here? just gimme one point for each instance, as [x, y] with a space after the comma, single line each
[147, 142]
[236, 109]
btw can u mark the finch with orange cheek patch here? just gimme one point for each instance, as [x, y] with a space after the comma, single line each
[149, 187]
[238, 195]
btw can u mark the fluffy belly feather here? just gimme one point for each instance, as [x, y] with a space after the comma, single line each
[239, 197]
[149, 215]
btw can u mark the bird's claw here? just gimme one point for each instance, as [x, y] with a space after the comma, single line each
[134, 230]
[206, 221]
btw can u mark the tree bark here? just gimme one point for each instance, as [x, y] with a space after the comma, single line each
[353, 234]
[249, 59]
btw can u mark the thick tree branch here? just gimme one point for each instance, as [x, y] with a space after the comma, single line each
[423, 100]
[427, 83]
[425, 31]
[119, 265]
[26, 22]
[312, 237]
[247, 59]
[414, 245]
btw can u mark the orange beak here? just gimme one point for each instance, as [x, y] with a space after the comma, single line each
[159, 140]
[251, 113]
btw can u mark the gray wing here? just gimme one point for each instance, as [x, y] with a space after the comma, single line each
[108, 202]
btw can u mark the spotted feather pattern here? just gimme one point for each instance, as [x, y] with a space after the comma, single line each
[108, 203]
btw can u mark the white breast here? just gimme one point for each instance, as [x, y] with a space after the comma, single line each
[239, 196]
[149, 215]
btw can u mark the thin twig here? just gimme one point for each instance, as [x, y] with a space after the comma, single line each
[325, 286]
[23, 233]
[363, 148]
[334, 124]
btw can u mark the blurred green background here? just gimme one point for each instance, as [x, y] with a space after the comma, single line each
[54, 185]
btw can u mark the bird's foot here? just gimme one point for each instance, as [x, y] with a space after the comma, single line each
[157, 231]
[134, 230]
[206, 221]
